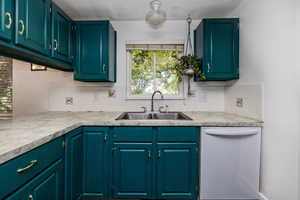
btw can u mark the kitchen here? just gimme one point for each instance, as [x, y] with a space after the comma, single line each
[76, 105]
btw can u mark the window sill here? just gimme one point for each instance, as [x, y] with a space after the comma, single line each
[149, 98]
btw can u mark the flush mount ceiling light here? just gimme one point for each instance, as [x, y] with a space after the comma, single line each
[156, 17]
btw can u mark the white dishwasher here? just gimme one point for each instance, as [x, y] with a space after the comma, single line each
[230, 163]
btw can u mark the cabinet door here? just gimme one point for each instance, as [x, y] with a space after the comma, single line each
[132, 170]
[92, 43]
[221, 49]
[74, 164]
[49, 185]
[177, 171]
[61, 35]
[6, 19]
[95, 161]
[33, 25]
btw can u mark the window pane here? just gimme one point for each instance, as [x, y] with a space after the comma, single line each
[142, 75]
[166, 79]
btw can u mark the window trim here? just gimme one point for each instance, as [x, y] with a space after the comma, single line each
[181, 96]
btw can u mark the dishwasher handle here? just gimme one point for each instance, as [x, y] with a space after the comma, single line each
[223, 133]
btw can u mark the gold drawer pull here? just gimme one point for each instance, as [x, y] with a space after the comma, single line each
[32, 163]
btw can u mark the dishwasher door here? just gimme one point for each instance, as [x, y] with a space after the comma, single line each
[230, 163]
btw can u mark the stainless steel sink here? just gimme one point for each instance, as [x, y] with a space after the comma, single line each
[153, 116]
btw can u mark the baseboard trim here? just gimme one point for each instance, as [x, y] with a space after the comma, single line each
[263, 197]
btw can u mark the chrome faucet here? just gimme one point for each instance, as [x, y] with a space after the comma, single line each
[152, 98]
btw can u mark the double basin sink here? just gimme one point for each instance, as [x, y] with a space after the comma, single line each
[153, 116]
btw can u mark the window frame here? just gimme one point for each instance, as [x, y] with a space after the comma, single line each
[129, 96]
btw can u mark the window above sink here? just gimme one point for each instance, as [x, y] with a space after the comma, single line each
[150, 67]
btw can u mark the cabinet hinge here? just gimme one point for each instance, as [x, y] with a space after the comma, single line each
[197, 149]
[196, 188]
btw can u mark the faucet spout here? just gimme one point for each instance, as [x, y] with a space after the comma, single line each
[152, 98]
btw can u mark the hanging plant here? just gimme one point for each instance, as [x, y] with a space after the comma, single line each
[189, 62]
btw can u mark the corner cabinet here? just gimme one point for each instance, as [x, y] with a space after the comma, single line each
[6, 19]
[33, 25]
[96, 51]
[216, 43]
[74, 164]
[62, 35]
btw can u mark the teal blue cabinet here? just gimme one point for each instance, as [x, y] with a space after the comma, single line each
[6, 19]
[95, 162]
[17, 172]
[33, 25]
[62, 29]
[96, 51]
[216, 43]
[74, 165]
[155, 162]
[177, 171]
[49, 185]
[132, 170]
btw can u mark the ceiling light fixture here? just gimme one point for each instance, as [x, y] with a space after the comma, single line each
[156, 17]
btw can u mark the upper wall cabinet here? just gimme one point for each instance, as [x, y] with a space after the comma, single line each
[61, 35]
[96, 51]
[33, 25]
[6, 19]
[217, 44]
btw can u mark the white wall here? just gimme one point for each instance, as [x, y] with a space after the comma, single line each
[94, 96]
[30, 91]
[269, 69]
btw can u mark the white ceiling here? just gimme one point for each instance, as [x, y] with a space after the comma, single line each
[136, 9]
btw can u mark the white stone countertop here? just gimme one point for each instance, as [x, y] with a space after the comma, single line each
[22, 134]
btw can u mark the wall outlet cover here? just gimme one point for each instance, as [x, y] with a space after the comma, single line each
[239, 102]
[69, 101]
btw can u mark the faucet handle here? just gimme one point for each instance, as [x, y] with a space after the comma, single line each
[163, 107]
[144, 108]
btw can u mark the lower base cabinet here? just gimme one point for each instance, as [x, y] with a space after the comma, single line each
[148, 163]
[132, 163]
[132, 170]
[49, 185]
[177, 170]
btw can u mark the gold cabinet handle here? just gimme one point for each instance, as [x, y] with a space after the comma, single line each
[55, 45]
[158, 155]
[10, 20]
[30, 197]
[105, 138]
[149, 155]
[21, 32]
[208, 67]
[32, 164]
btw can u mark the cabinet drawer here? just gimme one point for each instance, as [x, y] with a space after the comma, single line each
[47, 185]
[133, 134]
[20, 170]
[178, 134]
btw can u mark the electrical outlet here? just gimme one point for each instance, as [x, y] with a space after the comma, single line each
[69, 101]
[239, 102]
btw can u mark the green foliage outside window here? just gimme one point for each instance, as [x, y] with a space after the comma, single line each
[154, 70]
